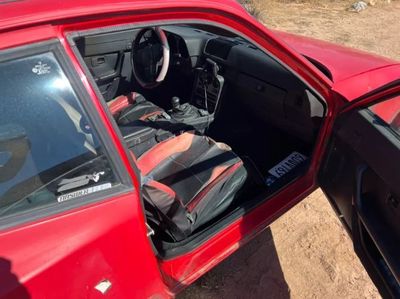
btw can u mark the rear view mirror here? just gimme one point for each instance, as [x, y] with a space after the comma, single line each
[14, 148]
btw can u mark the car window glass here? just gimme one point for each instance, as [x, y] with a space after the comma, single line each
[389, 112]
[49, 150]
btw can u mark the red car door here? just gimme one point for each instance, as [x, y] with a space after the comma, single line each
[71, 224]
[360, 176]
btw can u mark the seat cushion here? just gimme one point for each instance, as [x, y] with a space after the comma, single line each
[132, 107]
[190, 179]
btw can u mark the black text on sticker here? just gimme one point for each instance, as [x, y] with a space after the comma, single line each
[83, 192]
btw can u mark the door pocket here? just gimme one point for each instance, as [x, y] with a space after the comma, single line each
[376, 219]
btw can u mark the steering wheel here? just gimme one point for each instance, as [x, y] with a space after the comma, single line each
[150, 57]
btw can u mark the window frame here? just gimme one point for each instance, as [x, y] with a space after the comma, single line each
[124, 182]
[396, 132]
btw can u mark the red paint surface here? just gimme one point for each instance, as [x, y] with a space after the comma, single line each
[354, 72]
[64, 256]
[342, 62]
[14, 14]
[357, 86]
[388, 110]
[387, 99]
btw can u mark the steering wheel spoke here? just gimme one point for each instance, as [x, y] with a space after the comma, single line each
[159, 65]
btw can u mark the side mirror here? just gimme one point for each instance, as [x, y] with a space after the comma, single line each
[15, 146]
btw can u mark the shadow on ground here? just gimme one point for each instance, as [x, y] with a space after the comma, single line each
[253, 271]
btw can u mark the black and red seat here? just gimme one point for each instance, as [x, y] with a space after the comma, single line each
[189, 180]
[131, 107]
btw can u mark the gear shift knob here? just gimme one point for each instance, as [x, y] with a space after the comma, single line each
[175, 102]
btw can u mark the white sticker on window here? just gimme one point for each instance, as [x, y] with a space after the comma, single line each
[41, 68]
[83, 192]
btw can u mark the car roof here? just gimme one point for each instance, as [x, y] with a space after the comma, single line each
[25, 13]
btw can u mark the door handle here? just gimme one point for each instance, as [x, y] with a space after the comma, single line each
[100, 60]
[114, 74]
[96, 61]
[359, 177]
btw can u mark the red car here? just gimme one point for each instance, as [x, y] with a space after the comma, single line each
[143, 142]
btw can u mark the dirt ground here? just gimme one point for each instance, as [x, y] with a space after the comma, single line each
[306, 253]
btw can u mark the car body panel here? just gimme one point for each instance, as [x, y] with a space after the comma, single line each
[342, 62]
[362, 84]
[117, 231]
[354, 72]
[22, 13]
[183, 270]
[67, 255]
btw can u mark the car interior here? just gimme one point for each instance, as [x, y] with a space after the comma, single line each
[215, 125]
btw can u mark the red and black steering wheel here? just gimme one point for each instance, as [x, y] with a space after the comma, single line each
[150, 57]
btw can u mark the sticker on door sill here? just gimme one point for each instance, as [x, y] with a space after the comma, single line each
[284, 167]
[83, 192]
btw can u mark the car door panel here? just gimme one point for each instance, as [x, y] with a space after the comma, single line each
[108, 59]
[58, 242]
[106, 71]
[104, 66]
[360, 176]
[68, 255]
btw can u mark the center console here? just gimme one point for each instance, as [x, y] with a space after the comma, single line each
[189, 115]
[197, 114]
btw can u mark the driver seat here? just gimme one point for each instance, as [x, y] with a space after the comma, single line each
[126, 109]
[187, 181]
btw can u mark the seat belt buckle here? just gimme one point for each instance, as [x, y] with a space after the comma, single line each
[166, 115]
[150, 231]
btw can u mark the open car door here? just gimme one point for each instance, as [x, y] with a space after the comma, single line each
[360, 175]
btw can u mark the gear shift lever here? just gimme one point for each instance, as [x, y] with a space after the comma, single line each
[182, 111]
[188, 116]
[176, 103]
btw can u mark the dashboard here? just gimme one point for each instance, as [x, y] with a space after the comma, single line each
[254, 80]
[258, 82]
